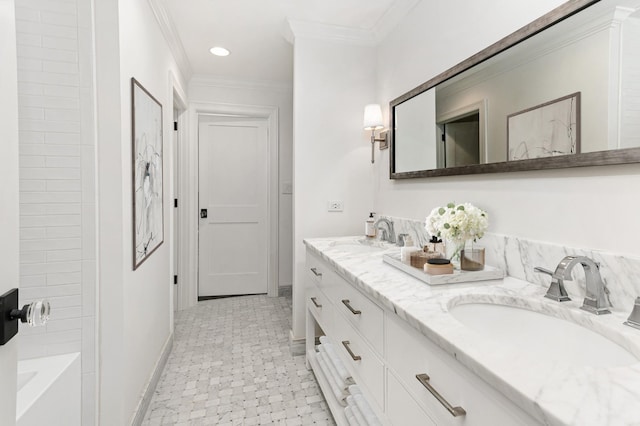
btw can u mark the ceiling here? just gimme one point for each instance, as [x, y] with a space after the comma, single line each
[253, 31]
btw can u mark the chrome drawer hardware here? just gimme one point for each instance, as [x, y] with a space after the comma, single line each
[346, 303]
[315, 302]
[455, 411]
[354, 357]
[315, 272]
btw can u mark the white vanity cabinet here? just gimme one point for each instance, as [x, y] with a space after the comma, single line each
[393, 363]
[417, 363]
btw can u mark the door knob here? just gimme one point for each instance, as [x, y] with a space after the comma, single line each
[203, 213]
[34, 314]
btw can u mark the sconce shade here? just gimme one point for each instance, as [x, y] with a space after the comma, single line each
[373, 117]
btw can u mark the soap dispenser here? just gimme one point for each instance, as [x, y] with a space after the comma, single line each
[407, 249]
[369, 228]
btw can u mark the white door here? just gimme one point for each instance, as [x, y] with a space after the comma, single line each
[233, 185]
[9, 197]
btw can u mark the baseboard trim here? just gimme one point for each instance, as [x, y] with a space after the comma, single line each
[143, 405]
[297, 347]
[285, 290]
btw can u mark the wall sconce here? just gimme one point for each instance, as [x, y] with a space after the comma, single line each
[373, 122]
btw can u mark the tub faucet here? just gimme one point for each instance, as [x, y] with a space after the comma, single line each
[387, 234]
[596, 300]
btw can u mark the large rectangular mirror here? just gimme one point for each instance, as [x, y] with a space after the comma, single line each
[564, 91]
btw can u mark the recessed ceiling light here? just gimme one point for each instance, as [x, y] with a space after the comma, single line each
[219, 51]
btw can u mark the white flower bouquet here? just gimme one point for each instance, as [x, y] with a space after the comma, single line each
[457, 223]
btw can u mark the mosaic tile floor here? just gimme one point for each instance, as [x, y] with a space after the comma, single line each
[230, 365]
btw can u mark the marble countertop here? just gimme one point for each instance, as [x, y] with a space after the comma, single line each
[554, 393]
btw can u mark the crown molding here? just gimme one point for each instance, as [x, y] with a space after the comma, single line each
[168, 29]
[328, 32]
[350, 35]
[392, 17]
[217, 81]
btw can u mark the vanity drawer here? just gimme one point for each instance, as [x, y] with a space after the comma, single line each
[316, 268]
[364, 365]
[409, 354]
[319, 305]
[362, 313]
[402, 409]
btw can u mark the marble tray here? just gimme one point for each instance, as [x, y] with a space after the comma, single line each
[458, 276]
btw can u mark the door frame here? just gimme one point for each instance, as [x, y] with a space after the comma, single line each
[9, 215]
[481, 107]
[188, 176]
[180, 104]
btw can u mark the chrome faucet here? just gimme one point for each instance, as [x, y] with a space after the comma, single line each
[634, 317]
[387, 234]
[596, 299]
[401, 240]
[556, 290]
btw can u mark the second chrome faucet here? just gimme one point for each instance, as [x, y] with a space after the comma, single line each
[596, 299]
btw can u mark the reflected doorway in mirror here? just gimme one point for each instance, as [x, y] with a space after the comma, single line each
[546, 130]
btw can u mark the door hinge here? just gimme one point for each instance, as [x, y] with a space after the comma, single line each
[175, 279]
[175, 126]
[443, 138]
[175, 203]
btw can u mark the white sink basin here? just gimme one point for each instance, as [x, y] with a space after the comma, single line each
[359, 246]
[545, 338]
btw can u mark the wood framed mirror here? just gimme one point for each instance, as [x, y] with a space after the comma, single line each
[563, 91]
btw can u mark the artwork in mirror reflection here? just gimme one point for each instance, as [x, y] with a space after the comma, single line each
[546, 130]
[595, 52]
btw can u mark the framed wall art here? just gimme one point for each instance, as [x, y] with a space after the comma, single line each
[146, 135]
[545, 130]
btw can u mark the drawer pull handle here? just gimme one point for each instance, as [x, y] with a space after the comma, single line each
[455, 411]
[346, 303]
[354, 357]
[315, 272]
[315, 302]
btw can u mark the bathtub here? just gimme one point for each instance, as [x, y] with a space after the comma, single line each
[49, 391]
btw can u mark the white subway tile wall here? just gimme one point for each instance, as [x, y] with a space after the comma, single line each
[57, 181]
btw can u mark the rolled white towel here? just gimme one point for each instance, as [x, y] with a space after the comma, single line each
[365, 409]
[350, 417]
[354, 389]
[343, 373]
[332, 372]
[351, 403]
[336, 366]
[325, 340]
[337, 392]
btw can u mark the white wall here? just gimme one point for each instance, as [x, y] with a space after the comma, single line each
[202, 89]
[57, 182]
[146, 56]
[587, 207]
[135, 306]
[332, 84]
[630, 90]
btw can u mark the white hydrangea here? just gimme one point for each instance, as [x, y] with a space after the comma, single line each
[457, 222]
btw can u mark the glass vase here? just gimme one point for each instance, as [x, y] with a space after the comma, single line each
[453, 249]
[472, 259]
